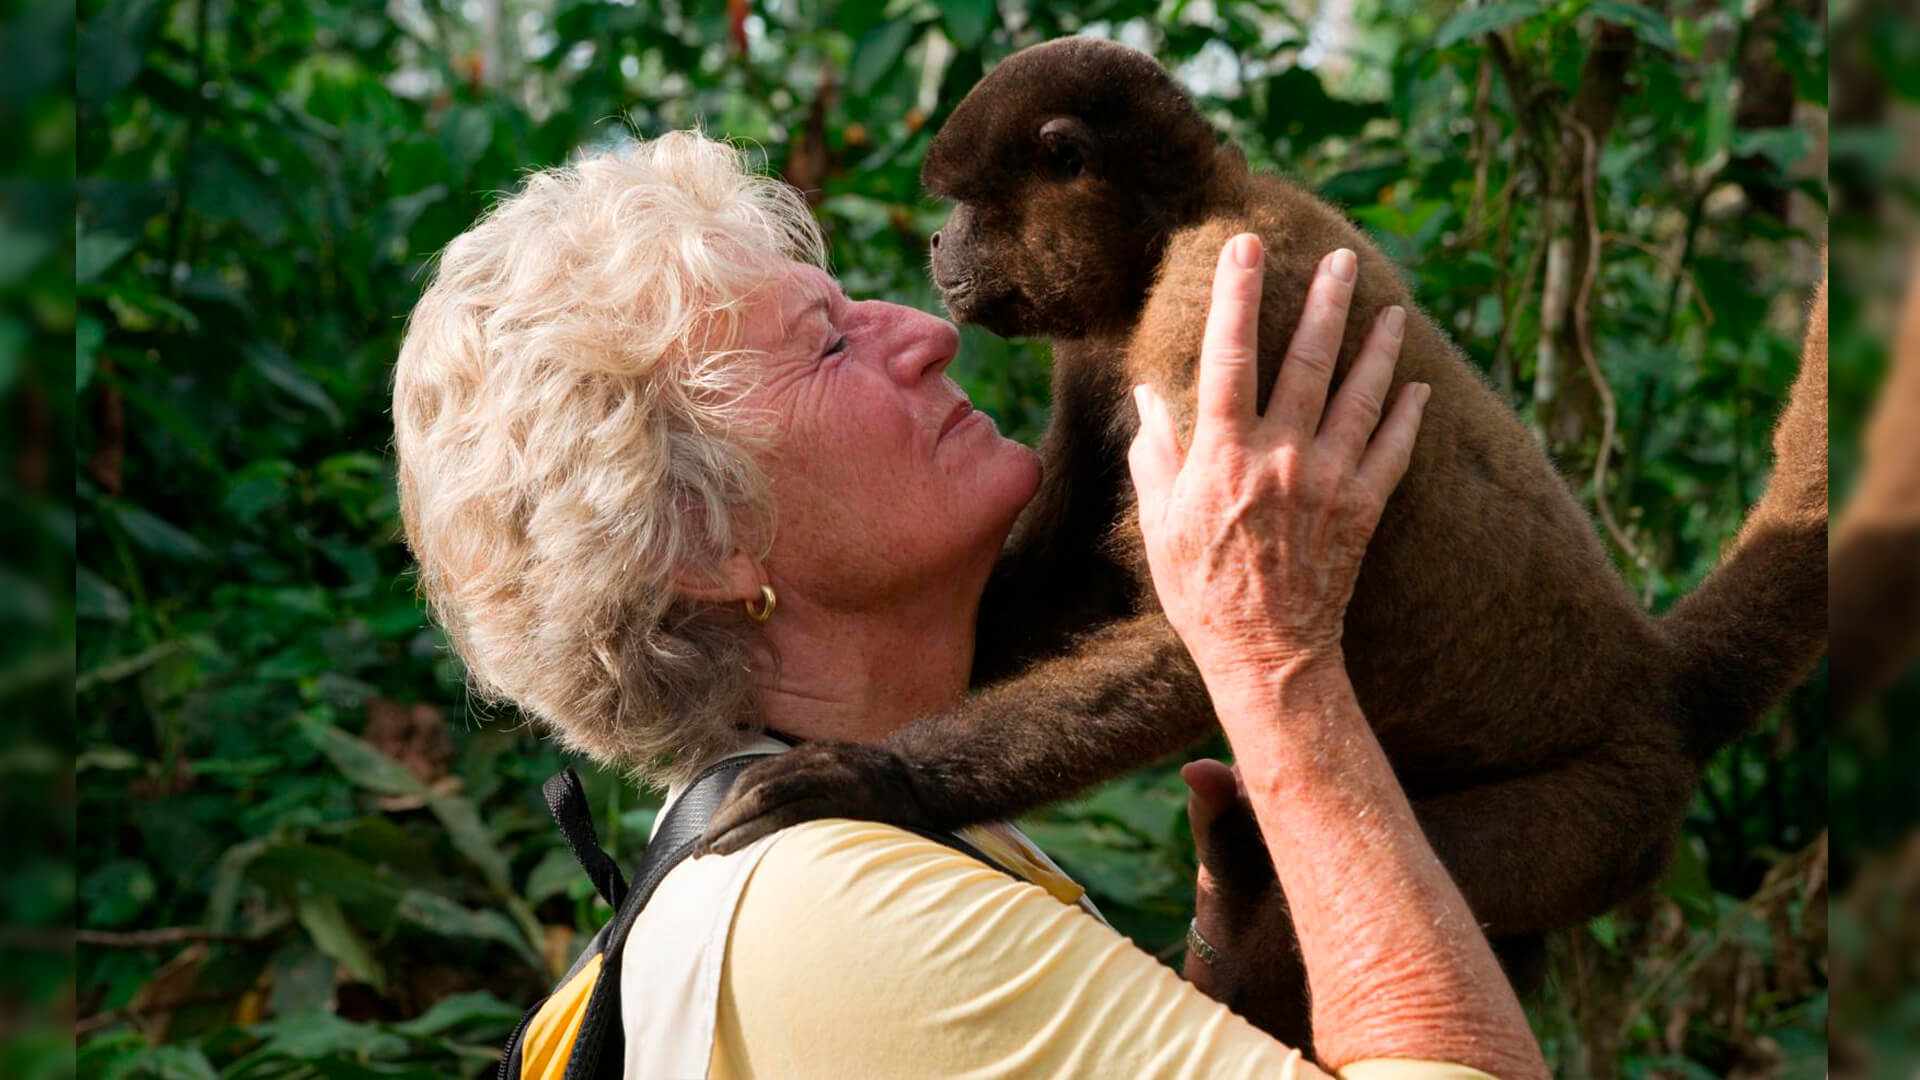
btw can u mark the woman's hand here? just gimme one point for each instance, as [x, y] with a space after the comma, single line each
[1254, 535]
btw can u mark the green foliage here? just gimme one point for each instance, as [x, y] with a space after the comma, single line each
[262, 188]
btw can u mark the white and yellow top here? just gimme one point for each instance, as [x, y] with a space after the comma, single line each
[848, 949]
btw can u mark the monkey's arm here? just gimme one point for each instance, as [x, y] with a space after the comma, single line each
[1126, 694]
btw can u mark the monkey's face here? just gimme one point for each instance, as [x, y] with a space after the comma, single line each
[1067, 165]
[1053, 249]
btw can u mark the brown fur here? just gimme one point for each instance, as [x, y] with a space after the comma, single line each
[1548, 731]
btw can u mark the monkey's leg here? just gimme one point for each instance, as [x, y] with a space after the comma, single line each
[1555, 848]
[1261, 976]
[1126, 694]
[1531, 854]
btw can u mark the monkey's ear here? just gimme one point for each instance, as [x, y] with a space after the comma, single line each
[1067, 145]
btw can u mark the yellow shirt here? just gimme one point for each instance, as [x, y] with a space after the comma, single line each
[863, 952]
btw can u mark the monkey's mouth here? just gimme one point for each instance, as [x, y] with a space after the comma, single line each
[957, 295]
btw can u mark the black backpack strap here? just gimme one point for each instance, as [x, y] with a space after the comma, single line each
[567, 799]
[599, 1050]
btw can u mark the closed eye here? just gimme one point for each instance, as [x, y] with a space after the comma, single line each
[839, 346]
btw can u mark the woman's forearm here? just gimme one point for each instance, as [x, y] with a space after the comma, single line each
[1395, 962]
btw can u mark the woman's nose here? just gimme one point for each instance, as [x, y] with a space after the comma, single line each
[922, 344]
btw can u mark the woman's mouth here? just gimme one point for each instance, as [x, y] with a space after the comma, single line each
[960, 414]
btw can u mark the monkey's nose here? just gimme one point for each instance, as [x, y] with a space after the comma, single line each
[936, 239]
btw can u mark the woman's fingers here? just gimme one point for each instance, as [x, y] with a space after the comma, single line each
[1386, 457]
[1230, 351]
[1356, 406]
[1300, 393]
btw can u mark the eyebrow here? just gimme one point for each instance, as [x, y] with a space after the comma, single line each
[822, 304]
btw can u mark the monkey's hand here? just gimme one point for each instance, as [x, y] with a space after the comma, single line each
[811, 782]
[1236, 873]
[1240, 911]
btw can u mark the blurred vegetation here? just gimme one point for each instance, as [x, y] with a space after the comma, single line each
[306, 855]
[37, 312]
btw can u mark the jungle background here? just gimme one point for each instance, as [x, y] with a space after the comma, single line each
[300, 853]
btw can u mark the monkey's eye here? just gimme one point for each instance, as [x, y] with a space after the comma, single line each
[1066, 162]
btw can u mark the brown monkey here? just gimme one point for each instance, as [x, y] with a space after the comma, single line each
[1548, 731]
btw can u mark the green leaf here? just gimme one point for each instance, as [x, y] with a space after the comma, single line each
[1648, 25]
[465, 133]
[302, 978]
[317, 1035]
[1686, 880]
[1782, 145]
[116, 892]
[1473, 22]
[1104, 862]
[855, 17]
[95, 253]
[553, 875]
[472, 837]
[473, 1009]
[273, 364]
[367, 767]
[968, 22]
[358, 760]
[326, 923]
[261, 486]
[439, 915]
[93, 598]
[878, 50]
[165, 1063]
[154, 534]
[115, 670]
[1604, 931]
[167, 417]
[294, 869]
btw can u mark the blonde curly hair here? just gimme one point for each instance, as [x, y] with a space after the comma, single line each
[571, 444]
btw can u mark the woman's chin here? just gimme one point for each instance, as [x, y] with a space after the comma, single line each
[1016, 476]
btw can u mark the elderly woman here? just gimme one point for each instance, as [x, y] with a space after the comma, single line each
[669, 488]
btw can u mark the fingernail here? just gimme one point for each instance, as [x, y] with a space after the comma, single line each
[1140, 398]
[1246, 250]
[1425, 391]
[1342, 264]
[1395, 320]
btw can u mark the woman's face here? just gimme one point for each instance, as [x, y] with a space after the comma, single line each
[885, 479]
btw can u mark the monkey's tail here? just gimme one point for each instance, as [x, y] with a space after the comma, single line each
[1756, 627]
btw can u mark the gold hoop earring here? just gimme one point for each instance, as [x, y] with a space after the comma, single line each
[765, 610]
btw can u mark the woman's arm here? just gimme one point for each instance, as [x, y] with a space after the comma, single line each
[1254, 535]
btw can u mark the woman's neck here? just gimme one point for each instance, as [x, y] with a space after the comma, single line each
[859, 676]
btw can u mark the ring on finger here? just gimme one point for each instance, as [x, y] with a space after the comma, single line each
[1199, 946]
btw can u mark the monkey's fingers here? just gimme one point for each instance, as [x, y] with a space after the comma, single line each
[1211, 790]
[1385, 461]
[1357, 405]
[1300, 390]
[1230, 348]
[1154, 457]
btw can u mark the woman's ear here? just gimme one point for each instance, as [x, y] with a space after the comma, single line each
[737, 577]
